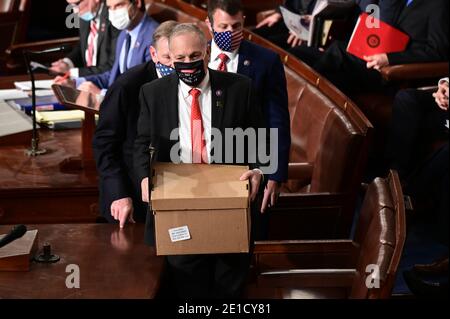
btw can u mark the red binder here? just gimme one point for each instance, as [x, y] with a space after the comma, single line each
[367, 41]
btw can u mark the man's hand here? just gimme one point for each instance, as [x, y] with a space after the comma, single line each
[255, 178]
[62, 80]
[377, 61]
[144, 190]
[122, 210]
[270, 20]
[270, 194]
[441, 96]
[59, 67]
[89, 87]
[293, 41]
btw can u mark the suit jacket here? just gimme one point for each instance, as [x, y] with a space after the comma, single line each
[139, 54]
[233, 107]
[107, 38]
[265, 69]
[389, 9]
[426, 22]
[113, 141]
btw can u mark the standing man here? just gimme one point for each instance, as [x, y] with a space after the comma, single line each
[188, 101]
[137, 28]
[230, 53]
[95, 51]
[120, 195]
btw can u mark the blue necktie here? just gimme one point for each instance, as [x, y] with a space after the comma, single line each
[127, 49]
[408, 2]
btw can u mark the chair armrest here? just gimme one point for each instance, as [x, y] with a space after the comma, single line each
[415, 71]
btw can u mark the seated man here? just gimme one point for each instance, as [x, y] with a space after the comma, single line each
[120, 195]
[132, 45]
[184, 101]
[95, 51]
[426, 23]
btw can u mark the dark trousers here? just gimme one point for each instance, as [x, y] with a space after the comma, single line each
[416, 122]
[218, 275]
[347, 72]
[431, 185]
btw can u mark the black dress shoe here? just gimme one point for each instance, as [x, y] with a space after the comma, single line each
[424, 289]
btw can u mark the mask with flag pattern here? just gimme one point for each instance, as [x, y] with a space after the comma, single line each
[164, 70]
[228, 41]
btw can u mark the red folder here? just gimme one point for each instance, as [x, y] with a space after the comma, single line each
[367, 41]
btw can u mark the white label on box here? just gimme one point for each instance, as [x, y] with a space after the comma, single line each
[179, 234]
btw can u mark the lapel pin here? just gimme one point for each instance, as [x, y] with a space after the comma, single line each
[103, 27]
[219, 104]
[137, 45]
[219, 93]
[247, 62]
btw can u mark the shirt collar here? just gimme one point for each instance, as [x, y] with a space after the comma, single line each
[216, 51]
[185, 89]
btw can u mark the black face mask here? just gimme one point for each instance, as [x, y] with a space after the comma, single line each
[192, 79]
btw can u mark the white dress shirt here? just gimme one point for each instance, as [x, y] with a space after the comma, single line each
[232, 63]
[184, 117]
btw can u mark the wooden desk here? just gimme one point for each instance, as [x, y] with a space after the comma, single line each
[113, 264]
[36, 190]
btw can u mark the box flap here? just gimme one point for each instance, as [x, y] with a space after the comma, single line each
[198, 186]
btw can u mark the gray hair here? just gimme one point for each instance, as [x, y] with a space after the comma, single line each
[189, 28]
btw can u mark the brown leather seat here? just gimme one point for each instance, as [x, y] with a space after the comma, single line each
[339, 268]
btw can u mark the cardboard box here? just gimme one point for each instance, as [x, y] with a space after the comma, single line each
[200, 209]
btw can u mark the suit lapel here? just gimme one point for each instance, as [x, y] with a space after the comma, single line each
[103, 26]
[218, 100]
[171, 101]
[138, 48]
[245, 65]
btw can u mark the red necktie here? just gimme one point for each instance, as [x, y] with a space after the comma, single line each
[91, 44]
[223, 62]
[197, 132]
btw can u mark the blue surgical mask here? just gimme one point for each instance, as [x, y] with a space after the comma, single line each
[87, 16]
[164, 70]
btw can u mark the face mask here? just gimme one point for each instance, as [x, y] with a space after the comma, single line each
[164, 70]
[87, 16]
[192, 79]
[120, 19]
[228, 41]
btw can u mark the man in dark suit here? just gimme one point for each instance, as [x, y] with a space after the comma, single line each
[426, 22]
[132, 44]
[95, 51]
[188, 101]
[120, 194]
[230, 53]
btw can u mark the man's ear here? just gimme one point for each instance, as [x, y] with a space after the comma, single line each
[208, 23]
[153, 54]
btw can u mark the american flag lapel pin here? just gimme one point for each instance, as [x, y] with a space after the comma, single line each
[247, 63]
